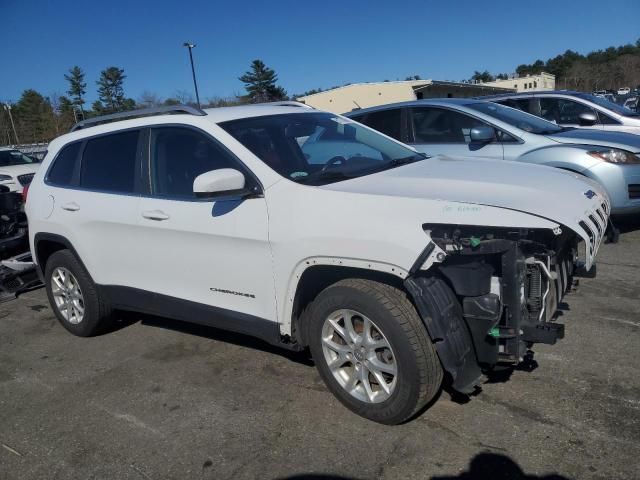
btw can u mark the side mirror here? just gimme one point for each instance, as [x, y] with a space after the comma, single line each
[482, 134]
[587, 119]
[219, 183]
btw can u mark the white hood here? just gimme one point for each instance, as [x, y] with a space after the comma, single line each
[556, 195]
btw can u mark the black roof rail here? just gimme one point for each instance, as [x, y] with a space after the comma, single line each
[144, 112]
[286, 103]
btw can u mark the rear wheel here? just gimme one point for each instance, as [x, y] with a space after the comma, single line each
[74, 297]
[372, 350]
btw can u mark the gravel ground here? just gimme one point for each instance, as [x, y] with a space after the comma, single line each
[160, 399]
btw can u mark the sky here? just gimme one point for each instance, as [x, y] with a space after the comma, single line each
[310, 44]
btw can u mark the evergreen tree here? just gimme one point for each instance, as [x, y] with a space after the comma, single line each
[482, 76]
[77, 86]
[260, 83]
[34, 117]
[111, 96]
[66, 115]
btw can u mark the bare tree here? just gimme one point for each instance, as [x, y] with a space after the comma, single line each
[149, 99]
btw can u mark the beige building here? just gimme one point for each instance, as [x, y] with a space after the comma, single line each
[541, 81]
[363, 95]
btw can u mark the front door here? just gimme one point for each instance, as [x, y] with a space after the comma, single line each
[441, 131]
[210, 252]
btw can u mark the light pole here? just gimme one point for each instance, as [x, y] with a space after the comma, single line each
[190, 46]
[7, 107]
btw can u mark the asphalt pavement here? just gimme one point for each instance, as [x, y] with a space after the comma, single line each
[159, 399]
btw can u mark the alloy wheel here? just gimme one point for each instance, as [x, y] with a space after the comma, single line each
[67, 295]
[359, 356]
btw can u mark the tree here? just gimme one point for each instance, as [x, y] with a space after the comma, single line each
[260, 83]
[64, 110]
[77, 86]
[482, 76]
[149, 99]
[34, 117]
[111, 97]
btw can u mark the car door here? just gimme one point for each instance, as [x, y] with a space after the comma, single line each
[94, 189]
[212, 252]
[438, 130]
[565, 112]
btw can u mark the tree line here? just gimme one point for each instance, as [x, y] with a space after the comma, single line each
[609, 69]
[39, 118]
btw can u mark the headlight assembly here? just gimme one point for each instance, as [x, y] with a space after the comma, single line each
[4, 178]
[613, 155]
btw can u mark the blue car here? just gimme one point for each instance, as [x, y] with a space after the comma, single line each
[470, 127]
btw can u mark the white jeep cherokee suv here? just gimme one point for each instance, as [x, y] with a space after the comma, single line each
[307, 229]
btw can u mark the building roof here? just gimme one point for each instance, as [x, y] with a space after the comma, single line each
[410, 83]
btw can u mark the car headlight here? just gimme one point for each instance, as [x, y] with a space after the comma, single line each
[613, 155]
[4, 178]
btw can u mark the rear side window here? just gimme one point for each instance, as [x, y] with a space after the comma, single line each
[109, 162]
[388, 122]
[64, 165]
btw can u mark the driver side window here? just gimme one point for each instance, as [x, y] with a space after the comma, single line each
[440, 125]
[563, 111]
[178, 156]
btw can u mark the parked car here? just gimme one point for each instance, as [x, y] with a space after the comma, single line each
[469, 127]
[624, 91]
[632, 104]
[573, 109]
[307, 229]
[16, 168]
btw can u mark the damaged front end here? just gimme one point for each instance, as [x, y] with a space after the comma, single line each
[486, 294]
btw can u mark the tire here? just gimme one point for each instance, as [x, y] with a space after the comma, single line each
[96, 316]
[390, 318]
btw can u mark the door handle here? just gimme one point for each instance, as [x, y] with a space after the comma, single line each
[71, 207]
[155, 215]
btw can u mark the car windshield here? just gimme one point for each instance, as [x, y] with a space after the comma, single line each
[318, 148]
[604, 103]
[517, 118]
[14, 157]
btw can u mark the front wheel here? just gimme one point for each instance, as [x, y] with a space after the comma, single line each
[372, 350]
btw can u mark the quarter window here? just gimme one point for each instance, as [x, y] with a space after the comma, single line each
[179, 155]
[109, 162]
[439, 125]
[61, 173]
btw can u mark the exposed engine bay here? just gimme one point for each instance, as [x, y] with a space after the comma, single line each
[508, 283]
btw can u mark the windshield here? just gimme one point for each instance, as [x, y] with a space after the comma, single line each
[517, 118]
[14, 157]
[317, 148]
[603, 102]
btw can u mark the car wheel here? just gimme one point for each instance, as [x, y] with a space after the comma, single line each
[73, 296]
[373, 351]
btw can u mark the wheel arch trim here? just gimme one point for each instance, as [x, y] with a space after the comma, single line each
[287, 315]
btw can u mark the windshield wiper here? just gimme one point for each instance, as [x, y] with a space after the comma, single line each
[396, 162]
[324, 175]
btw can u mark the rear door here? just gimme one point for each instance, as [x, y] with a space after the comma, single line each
[214, 253]
[437, 130]
[95, 185]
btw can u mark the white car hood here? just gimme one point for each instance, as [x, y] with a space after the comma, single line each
[556, 195]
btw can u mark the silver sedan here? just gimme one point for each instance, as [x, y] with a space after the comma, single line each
[472, 127]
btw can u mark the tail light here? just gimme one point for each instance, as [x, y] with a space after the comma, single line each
[25, 192]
